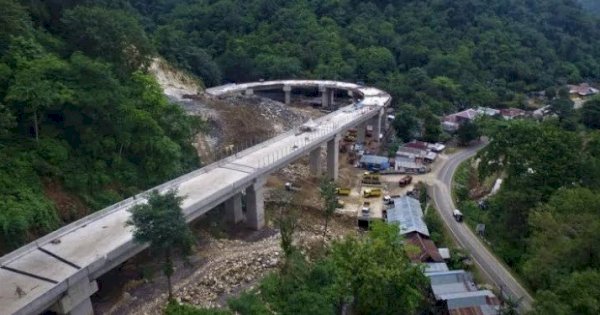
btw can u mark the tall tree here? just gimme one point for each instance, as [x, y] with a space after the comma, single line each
[113, 35]
[467, 132]
[36, 89]
[405, 122]
[373, 269]
[160, 224]
[328, 192]
[432, 129]
[590, 113]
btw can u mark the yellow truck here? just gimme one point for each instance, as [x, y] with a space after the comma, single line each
[372, 179]
[343, 191]
[372, 192]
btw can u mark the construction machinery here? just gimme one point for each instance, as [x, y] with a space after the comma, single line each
[371, 179]
[343, 191]
[405, 181]
[372, 192]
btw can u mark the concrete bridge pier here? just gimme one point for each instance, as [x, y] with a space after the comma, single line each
[249, 92]
[315, 162]
[327, 96]
[76, 300]
[376, 124]
[287, 90]
[333, 161]
[233, 208]
[255, 204]
[361, 131]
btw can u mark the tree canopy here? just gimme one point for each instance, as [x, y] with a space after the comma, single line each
[81, 124]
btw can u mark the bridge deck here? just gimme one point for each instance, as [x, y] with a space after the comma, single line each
[40, 271]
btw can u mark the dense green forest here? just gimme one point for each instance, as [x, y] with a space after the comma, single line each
[592, 5]
[443, 54]
[549, 199]
[81, 124]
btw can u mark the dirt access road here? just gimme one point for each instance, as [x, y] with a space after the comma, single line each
[491, 266]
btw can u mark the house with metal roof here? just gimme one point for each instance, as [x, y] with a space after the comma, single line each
[374, 162]
[453, 281]
[456, 290]
[407, 213]
[422, 249]
[482, 302]
[435, 267]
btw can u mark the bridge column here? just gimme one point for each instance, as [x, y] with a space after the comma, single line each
[361, 131]
[333, 151]
[77, 298]
[249, 92]
[331, 95]
[287, 89]
[325, 97]
[315, 162]
[376, 124]
[233, 208]
[255, 205]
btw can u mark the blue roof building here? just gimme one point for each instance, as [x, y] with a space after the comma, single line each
[374, 162]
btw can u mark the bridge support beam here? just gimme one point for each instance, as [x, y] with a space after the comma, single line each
[255, 205]
[333, 151]
[327, 97]
[249, 92]
[361, 131]
[315, 162]
[376, 124]
[287, 90]
[77, 298]
[233, 209]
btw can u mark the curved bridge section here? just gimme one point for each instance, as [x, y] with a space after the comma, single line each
[58, 271]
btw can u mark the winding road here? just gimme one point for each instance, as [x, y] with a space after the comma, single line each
[491, 266]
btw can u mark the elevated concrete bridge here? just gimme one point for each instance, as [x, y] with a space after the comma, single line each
[58, 271]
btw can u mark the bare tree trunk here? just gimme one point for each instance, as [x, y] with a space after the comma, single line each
[168, 273]
[325, 230]
[35, 126]
[170, 288]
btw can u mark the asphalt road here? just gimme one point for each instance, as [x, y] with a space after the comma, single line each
[492, 268]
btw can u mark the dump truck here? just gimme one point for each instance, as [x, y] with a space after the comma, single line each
[343, 191]
[372, 192]
[405, 181]
[369, 178]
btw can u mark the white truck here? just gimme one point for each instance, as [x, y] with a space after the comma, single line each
[458, 216]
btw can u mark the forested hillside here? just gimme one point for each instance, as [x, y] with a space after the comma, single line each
[443, 54]
[592, 5]
[81, 124]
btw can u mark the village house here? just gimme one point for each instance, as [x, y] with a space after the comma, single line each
[512, 113]
[454, 290]
[582, 90]
[450, 123]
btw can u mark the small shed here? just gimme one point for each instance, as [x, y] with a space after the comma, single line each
[374, 162]
[403, 165]
[444, 252]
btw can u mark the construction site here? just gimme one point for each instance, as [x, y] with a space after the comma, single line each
[231, 258]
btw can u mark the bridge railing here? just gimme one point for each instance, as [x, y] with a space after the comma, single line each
[141, 197]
